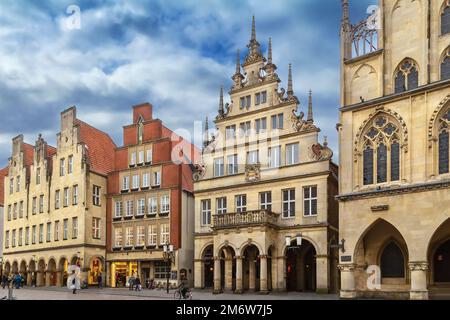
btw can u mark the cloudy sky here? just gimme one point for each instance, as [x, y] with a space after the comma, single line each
[174, 54]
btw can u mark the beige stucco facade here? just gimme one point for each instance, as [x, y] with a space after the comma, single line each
[394, 188]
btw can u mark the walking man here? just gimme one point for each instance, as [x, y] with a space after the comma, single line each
[100, 280]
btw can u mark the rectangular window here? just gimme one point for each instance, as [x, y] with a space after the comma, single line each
[241, 203]
[126, 183]
[218, 167]
[61, 167]
[129, 237]
[20, 236]
[33, 235]
[9, 213]
[15, 211]
[49, 231]
[310, 201]
[156, 179]
[165, 235]
[70, 165]
[65, 229]
[149, 156]
[245, 129]
[443, 151]
[41, 233]
[118, 238]
[118, 209]
[141, 207]
[261, 125]
[96, 228]
[7, 239]
[260, 98]
[277, 121]
[152, 235]
[13, 241]
[18, 184]
[264, 97]
[221, 205]
[129, 208]
[165, 204]
[27, 236]
[152, 206]
[382, 163]
[275, 157]
[41, 203]
[74, 228]
[292, 154]
[56, 236]
[66, 197]
[257, 98]
[75, 195]
[11, 186]
[135, 182]
[146, 180]
[206, 212]
[140, 236]
[253, 157]
[232, 164]
[230, 132]
[289, 203]
[161, 270]
[133, 159]
[141, 157]
[21, 209]
[96, 195]
[265, 200]
[57, 199]
[34, 206]
[38, 176]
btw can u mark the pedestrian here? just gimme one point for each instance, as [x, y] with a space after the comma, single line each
[17, 280]
[137, 283]
[4, 280]
[131, 282]
[100, 280]
[73, 282]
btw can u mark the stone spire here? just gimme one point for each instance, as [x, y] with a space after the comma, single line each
[206, 133]
[238, 62]
[221, 108]
[310, 108]
[345, 16]
[269, 56]
[290, 90]
[254, 48]
[253, 29]
[238, 77]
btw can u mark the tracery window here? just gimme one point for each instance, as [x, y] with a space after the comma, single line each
[444, 153]
[445, 66]
[445, 19]
[381, 151]
[406, 76]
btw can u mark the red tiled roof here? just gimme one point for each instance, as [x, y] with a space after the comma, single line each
[28, 154]
[3, 174]
[100, 148]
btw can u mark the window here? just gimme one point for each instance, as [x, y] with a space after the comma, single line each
[392, 262]
[145, 180]
[7, 239]
[221, 205]
[230, 132]
[20, 236]
[156, 179]
[66, 197]
[218, 167]
[245, 102]
[265, 200]
[18, 184]
[27, 236]
[135, 183]
[57, 199]
[38, 176]
[244, 129]
[289, 203]
[275, 157]
[49, 231]
[118, 209]
[56, 236]
[152, 206]
[141, 157]
[253, 157]
[277, 121]
[161, 270]
[133, 159]
[74, 228]
[118, 237]
[382, 163]
[15, 211]
[41, 233]
[368, 166]
[241, 203]
[310, 201]
[126, 183]
[149, 156]
[232, 164]
[141, 207]
[261, 125]
[70, 165]
[65, 229]
[206, 212]
[152, 235]
[33, 235]
[61, 167]
[11, 186]
[407, 76]
[140, 129]
[21, 209]
[140, 236]
[445, 20]
[96, 228]
[129, 208]
[165, 235]
[129, 237]
[9, 213]
[75, 195]
[444, 143]
[260, 98]
[41, 204]
[96, 195]
[34, 206]
[445, 65]
[165, 204]
[13, 240]
[292, 154]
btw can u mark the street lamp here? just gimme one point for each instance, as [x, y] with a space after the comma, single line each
[168, 255]
[299, 239]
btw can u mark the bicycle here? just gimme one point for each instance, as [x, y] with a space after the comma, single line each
[178, 295]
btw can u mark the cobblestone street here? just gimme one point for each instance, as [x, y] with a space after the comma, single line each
[125, 294]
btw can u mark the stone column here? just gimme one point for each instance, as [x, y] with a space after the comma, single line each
[113, 275]
[217, 278]
[263, 288]
[238, 275]
[348, 288]
[59, 281]
[281, 274]
[322, 274]
[229, 274]
[47, 278]
[251, 274]
[199, 274]
[107, 279]
[419, 289]
[29, 278]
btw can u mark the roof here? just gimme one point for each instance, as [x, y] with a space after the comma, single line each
[100, 148]
[3, 174]
[28, 150]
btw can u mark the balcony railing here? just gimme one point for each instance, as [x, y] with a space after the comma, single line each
[242, 219]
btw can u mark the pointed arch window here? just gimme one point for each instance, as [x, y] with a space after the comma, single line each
[444, 153]
[406, 76]
[445, 66]
[140, 129]
[392, 262]
[381, 151]
[445, 19]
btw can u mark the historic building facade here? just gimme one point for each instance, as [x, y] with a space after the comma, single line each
[150, 203]
[264, 193]
[3, 174]
[394, 151]
[55, 204]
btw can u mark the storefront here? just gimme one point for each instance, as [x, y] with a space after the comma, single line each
[121, 273]
[96, 267]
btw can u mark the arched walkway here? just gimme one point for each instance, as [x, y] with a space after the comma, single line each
[439, 257]
[40, 278]
[23, 271]
[7, 268]
[208, 267]
[32, 276]
[301, 266]
[251, 268]
[62, 272]
[50, 276]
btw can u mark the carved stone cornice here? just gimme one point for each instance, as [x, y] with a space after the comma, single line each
[347, 267]
[418, 266]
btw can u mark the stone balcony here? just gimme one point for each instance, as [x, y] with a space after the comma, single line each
[244, 219]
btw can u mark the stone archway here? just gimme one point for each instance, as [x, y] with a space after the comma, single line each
[23, 272]
[227, 268]
[301, 266]
[51, 276]
[208, 267]
[15, 267]
[7, 268]
[251, 268]
[40, 278]
[439, 257]
[31, 278]
[62, 272]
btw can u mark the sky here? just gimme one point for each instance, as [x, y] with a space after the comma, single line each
[174, 54]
